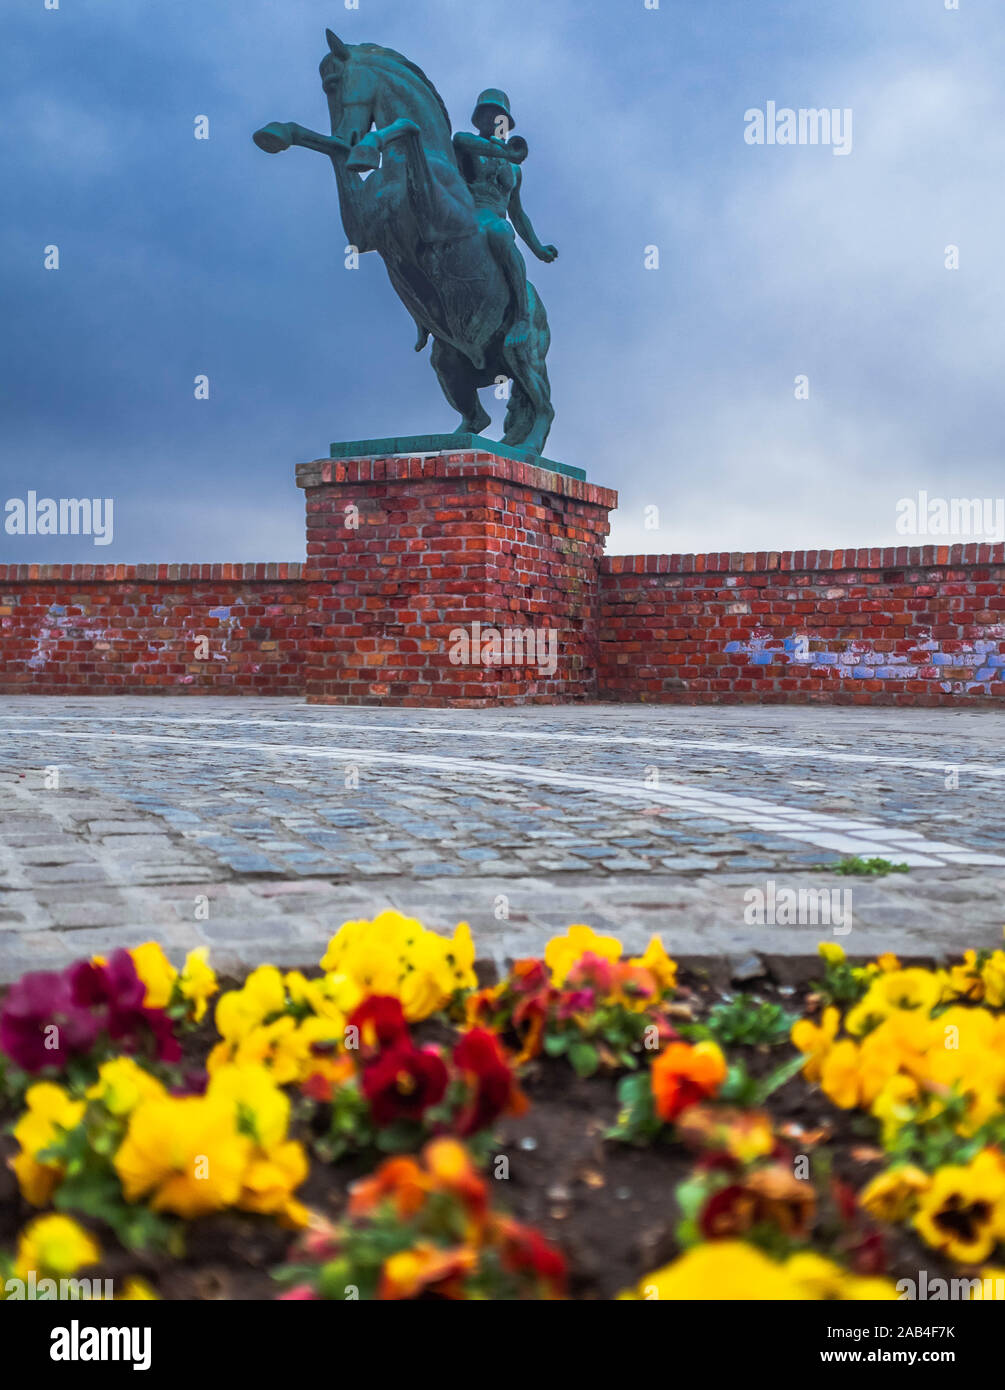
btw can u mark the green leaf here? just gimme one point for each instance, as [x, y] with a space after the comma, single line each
[776, 1079]
[399, 1137]
[584, 1058]
[691, 1196]
[631, 1089]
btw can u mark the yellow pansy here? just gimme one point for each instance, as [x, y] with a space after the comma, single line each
[562, 952]
[302, 993]
[895, 1105]
[815, 1041]
[964, 980]
[373, 964]
[49, 1110]
[54, 1247]
[460, 955]
[892, 1196]
[822, 1278]
[156, 972]
[261, 997]
[897, 989]
[839, 1074]
[390, 930]
[275, 1045]
[993, 979]
[879, 1060]
[260, 1108]
[395, 955]
[136, 1290]
[659, 965]
[831, 952]
[122, 1084]
[337, 995]
[197, 981]
[269, 1182]
[962, 1213]
[720, 1270]
[184, 1154]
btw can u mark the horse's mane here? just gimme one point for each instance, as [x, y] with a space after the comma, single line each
[413, 68]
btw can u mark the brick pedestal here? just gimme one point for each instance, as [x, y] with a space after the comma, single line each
[460, 578]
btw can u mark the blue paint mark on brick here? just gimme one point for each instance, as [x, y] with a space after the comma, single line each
[219, 612]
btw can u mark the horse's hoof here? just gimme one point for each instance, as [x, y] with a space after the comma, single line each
[273, 138]
[362, 157]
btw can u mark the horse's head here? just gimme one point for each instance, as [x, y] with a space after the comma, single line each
[351, 88]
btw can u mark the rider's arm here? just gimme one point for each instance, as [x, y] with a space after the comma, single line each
[488, 149]
[523, 226]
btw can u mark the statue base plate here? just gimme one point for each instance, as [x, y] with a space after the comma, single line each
[446, 443]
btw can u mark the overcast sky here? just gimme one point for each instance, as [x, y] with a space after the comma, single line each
[675, 385]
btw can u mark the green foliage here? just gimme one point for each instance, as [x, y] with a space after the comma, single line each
[740, 1088]
[611, 1036]
[350, 1128]
[91, 1187]
[932, 1143]
[637, 1122]
[854, 865]
[843, 984]
[749, 1022]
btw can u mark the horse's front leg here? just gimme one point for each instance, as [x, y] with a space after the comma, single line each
[365, 154]
[280, 135]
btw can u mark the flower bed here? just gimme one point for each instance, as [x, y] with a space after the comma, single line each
[590, 1126]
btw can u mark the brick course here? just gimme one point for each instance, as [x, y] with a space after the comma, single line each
[134, 629]
[904, 625]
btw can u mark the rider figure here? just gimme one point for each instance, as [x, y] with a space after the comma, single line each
[489, 165]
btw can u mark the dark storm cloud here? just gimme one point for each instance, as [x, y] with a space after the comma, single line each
[180, 257]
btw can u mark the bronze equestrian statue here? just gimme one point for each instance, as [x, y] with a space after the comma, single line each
[438, 209]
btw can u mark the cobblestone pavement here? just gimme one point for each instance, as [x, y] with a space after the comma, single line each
[259, 825]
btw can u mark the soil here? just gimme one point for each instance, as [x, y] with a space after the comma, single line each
[608, 1206]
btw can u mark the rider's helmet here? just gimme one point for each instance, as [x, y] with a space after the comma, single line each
[492, 99]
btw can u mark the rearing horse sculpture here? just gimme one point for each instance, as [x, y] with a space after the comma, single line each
[402, 194]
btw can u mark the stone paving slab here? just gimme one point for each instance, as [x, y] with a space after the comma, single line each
[258, 825]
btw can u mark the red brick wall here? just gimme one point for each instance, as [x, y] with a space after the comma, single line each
[443, 542]
[447, 541]
[899, 626]
[118, 629]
